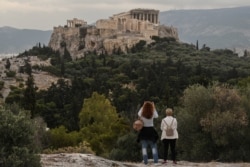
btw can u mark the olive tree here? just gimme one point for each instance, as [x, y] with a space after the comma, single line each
[17, 147]
[212, 121]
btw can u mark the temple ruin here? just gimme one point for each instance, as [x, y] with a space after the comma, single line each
[119, 32]
[149, 15]
[76, 23]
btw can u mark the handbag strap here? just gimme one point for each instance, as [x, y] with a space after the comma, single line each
[170, 124]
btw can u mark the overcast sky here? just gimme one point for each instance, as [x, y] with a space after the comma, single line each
[45, 14]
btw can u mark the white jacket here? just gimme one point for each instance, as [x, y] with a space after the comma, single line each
[168, 120]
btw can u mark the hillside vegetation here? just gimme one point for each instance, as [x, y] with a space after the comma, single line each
[93, 110]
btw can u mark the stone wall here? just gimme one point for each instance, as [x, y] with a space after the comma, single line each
[106, 24]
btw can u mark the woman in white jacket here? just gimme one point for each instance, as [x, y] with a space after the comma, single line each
[169, 121]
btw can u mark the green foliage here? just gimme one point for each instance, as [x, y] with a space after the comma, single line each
[27, 68]
[138, 46]
[15, 96]
[10, 73]
[60, 137]
[100, 125]
[1, 85]
[159, 72]
[226, 117]
[17, 147]
[82, 147]
[29, 100]
[57, 106]
[120, 151]
[42, 52]
[216, 119]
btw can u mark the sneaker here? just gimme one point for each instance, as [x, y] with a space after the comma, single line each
[157, 164]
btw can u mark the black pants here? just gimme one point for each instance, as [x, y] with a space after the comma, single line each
[166, 143]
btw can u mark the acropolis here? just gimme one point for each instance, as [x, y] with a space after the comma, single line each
[120, 31]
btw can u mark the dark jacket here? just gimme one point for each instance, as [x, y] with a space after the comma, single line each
[148, 133]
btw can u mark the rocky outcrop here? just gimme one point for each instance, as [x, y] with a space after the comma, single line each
[42, 80]
[118, 33]
[89, 160]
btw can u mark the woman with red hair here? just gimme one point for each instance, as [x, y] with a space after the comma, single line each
[148, 135]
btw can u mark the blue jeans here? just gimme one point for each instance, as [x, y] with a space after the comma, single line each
[153, 146]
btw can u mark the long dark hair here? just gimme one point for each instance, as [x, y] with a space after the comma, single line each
[148, 109]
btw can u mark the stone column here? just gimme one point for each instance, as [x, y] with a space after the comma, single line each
[69, 23]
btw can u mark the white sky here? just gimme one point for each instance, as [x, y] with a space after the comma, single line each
[45, 14]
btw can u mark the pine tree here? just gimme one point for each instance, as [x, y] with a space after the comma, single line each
[29, 101]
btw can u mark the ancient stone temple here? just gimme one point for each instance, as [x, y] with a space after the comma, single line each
[120, 33]
[76, 23]
[143, 21]
[149, 15]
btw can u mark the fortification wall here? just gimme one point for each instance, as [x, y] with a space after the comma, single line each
[106, 24]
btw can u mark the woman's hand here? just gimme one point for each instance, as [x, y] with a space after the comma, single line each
[153, 104]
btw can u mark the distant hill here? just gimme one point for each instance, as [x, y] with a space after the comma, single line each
[13, 40]
[217, 28]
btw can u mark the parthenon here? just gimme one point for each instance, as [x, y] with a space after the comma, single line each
[150, 15]
[141, 14]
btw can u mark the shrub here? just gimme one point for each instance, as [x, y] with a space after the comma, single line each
[82, 147]
[17, 135]
[59, 137]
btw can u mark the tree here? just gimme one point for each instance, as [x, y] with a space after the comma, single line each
[216, 122]
[54, 106]
[100, 125]
[226, 116]
[29, 101]
[7, 65]
[126, 149]
[197, 45]
[17, 148]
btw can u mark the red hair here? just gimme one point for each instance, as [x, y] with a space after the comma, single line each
[148, 109]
